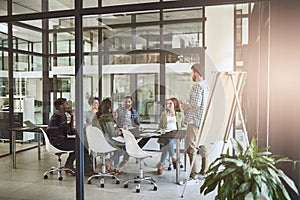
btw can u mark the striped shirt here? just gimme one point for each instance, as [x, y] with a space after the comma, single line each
[198, 100]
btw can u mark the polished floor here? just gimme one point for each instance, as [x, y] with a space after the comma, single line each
[26, 181]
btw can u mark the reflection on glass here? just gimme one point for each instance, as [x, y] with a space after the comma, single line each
[61, 5]
[183, 14]
[26, 6]
[124, 2]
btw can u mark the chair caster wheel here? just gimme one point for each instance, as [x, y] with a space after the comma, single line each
[126, 186]
[51, 173]
[113, 177]
[137, 190]
[60, 178]
[155, 188]
[102, 185]
[181, 166]
[46, 177]
[89, 182]
[117, 182]
[169, 168]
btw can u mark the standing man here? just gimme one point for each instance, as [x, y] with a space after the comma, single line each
[58, 131]
[127, 116]
[195, 111]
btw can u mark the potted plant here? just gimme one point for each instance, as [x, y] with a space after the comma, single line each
[250, 171]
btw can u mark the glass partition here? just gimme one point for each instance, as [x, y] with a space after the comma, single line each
[114, 3]
[26, 6]
[125, 53]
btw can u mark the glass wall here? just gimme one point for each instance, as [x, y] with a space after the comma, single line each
[146, 54]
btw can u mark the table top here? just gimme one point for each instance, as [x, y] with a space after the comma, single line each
[177, 134]
[29, 129]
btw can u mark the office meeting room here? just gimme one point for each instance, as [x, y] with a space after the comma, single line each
[149, 99]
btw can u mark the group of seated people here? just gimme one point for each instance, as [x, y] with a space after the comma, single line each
[102, 116]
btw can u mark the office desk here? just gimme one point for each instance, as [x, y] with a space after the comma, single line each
[12, 142]
[176, 134]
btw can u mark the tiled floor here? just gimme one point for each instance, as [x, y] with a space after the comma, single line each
[27, 183]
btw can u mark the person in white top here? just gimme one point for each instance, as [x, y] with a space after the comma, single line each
[171, 119]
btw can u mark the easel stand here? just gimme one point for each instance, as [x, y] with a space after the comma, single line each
[233, 83]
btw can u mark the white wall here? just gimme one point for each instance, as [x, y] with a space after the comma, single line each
[219, 36]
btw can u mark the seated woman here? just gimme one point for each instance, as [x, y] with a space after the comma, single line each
[172, 119]
[106, 124]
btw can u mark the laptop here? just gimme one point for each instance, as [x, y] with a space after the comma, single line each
[31, 125]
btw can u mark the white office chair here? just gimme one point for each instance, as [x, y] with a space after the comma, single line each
[51, 149]
[98, 144]
[135, 151]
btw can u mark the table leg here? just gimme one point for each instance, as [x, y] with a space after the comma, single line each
[178, 160]
[39, 144]
[13, 138]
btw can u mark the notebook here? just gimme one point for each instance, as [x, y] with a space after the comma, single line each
[30, 125]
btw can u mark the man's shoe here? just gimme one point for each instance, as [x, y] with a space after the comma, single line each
[193, 177]
[201, 176]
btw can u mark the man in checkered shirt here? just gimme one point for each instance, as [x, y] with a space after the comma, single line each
[127, 116]
[193, 117]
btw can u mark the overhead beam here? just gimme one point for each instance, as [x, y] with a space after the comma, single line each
[122, 8]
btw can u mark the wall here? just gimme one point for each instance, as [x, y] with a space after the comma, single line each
[284, 82]
[219, 33]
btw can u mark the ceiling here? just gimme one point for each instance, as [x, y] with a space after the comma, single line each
[108, 20]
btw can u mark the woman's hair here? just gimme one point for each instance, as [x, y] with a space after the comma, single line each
[176, 104]
[104, 107]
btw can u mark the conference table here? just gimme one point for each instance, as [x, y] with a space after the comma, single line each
[174, 134]
[14, 130]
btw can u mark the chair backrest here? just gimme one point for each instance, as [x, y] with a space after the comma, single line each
[132, 147]
[50, 148]
[96, 140]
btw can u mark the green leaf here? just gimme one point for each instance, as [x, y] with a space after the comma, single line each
[288, 181]
[251, 170]
[238, 163]
[237, 147]
[255, 191]
[244, 188]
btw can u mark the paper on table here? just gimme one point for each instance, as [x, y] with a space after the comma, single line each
[166, 131]
[150, 131]
[147, 134]
[119, 139]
